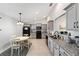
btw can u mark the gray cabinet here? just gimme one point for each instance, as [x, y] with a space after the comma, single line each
[56, 49]
[50, 25]
[71, 17]
[50, 45]
[33, 26]
[77, 22]
[44, 31]
[44, 26]
[33, 31]
[53, 47]
[33, 35]
[63, 52]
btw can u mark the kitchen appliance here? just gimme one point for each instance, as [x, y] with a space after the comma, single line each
[77, 40]
[38, 32]
[71, 39]
[26, 31]
[38, 28]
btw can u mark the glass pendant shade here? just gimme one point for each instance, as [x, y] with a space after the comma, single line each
[20, 22]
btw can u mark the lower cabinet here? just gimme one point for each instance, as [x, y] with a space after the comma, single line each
[53, 47]
[50, 45]
[56, 49]
[33, 35]
[63, 52]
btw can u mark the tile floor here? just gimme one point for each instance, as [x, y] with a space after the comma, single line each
[38, 48]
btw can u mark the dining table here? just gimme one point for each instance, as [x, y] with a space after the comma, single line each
[19, 41]
[21, 38]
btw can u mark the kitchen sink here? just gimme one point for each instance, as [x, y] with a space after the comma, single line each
[53, 37]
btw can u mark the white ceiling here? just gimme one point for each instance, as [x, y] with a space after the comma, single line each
[28, 10]
[32, 12]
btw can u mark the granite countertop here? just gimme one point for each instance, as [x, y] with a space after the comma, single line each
[72, 49]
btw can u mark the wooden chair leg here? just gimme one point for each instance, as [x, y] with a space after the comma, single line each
[11, 52]
[18, 51]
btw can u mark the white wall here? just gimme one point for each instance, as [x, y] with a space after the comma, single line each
[8, 28]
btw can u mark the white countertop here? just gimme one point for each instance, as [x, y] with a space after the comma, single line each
[21, 38]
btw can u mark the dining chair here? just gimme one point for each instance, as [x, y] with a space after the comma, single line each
[15, 46]
[25, 34]
[26, 44]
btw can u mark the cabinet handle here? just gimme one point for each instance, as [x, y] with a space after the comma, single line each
[74, 25]
[77, 24]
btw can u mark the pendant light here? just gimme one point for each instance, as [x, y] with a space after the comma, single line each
[20, 22]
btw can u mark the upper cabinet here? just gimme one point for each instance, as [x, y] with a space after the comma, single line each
[50, 25]
[60, 23]
[72, 19]
[78, 16]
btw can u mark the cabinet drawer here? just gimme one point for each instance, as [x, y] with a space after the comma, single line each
[56, 45]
